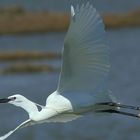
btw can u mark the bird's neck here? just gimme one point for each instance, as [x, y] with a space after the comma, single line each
[28, 106]
[34, 113]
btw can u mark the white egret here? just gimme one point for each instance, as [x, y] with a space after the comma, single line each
[84, 71]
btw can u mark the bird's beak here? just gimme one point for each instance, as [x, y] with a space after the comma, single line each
[5, 100]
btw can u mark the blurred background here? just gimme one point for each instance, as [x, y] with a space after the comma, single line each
[31, 39]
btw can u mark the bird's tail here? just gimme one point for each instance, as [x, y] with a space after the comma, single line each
[22, 125]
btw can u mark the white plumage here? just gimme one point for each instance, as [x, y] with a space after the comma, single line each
[84, 70]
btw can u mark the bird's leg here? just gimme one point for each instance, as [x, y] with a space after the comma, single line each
[119, 105]
[118, 112]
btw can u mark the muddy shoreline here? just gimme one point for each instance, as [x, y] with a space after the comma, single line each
[16, 20]
[23, 55]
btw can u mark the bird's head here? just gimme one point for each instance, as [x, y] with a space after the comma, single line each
[14, 99]
[21, 101]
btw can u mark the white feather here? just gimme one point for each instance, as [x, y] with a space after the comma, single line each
[72, 11]
[22, 125]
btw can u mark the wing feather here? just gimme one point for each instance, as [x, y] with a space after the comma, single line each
[85, 54]
[22, 125]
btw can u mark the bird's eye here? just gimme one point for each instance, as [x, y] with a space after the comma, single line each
[14, 98]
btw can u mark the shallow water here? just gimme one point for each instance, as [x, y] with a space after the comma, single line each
[124, 81]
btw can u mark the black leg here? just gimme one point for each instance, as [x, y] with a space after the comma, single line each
[119, 105]
[118, 112]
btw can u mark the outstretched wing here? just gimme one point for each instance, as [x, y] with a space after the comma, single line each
[22, 125]
[85, 55]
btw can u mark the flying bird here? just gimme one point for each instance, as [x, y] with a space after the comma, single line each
[84, 71]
